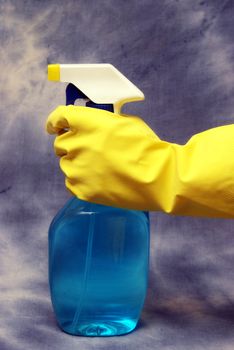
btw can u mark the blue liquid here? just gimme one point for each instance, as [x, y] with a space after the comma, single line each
[98, 268]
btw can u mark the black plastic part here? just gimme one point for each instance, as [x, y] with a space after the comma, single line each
[73, 93]
[107, 107]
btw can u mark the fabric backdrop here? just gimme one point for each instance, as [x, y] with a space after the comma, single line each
[180, 53]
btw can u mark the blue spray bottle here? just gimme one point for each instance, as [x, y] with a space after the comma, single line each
[98, 255]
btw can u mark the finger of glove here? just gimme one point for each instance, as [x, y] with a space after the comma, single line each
[76, 118]
[61, 144]
[65, 118]
[80, 118]
[84, 119]
[57, 120]
[67, 143]
[70, 170]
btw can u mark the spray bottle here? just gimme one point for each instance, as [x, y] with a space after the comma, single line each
[98, 255]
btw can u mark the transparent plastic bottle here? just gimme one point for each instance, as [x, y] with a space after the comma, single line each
[98, 268]
[98, 262]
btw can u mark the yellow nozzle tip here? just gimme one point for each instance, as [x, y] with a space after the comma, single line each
[54, 72]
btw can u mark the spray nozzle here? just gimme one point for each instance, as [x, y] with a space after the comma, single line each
[102, 83]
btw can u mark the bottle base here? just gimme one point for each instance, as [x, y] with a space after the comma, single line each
[100, 329]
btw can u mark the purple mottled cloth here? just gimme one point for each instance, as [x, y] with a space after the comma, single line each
[180, 53]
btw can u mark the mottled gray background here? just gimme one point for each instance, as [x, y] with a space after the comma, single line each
[180, 53]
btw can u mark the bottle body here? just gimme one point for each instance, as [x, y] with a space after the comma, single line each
[98, 268]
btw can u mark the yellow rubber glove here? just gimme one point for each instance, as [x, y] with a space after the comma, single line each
[118, 160]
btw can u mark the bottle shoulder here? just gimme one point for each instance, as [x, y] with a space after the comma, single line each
[75, 209]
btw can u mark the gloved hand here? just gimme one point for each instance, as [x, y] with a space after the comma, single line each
[118, 160]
